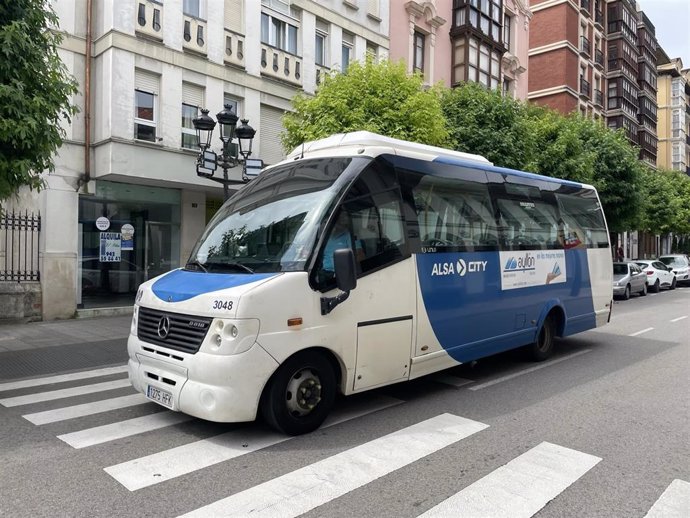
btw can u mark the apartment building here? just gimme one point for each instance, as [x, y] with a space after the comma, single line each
[673, 126]
[124, 203]
[488, 41]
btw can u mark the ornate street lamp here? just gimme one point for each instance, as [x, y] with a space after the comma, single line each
[208, 161]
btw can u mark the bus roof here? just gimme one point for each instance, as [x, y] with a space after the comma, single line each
[372, 144]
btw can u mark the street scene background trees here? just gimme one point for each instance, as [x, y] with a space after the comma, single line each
[383, 98]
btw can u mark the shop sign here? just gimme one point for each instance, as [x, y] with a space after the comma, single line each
[102, 223]
[111, 247]
[127, 234]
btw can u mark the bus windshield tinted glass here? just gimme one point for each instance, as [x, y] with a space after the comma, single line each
[272, 224]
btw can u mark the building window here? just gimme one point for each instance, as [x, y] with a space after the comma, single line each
[321, 43]
[144, 116]
[191, 8]
[278, 33]
[507, 87]
[192, 99]
[418, 64]
[347, 48]
[506, 31]
[372, 51]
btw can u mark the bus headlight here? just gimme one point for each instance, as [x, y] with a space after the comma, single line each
[232, 336]
[135, 319]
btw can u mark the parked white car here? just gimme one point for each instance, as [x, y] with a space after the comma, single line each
[658, 275]
[680, 265]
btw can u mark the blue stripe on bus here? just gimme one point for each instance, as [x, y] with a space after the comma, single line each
[503, 170]
[473, 317]
[180, 285]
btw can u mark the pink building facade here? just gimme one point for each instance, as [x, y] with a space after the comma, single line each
[451, 41]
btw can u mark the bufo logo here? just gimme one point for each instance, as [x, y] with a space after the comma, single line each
[521, 264]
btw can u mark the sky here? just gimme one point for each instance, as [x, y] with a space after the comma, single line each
[671, 19]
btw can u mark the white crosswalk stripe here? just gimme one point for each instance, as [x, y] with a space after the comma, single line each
[314, 485]
[97, 407]
[122, 429]
[673, 503]
[64, 393]
[520, 488]
[37, 382]
[168, 464]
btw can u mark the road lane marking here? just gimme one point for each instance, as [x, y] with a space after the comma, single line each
[454, 381]
[172, 463]
[520, 488]
[97, 407]
[64, 393]
[679, 318]
[302, 490]
[673, 503]
[527, 371]
[62, 377]
[643, 331]
[122, 429]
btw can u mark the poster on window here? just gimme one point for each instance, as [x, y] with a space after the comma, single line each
[127, 234]
[111, 247]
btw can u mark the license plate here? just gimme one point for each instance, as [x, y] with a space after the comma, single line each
[163, 397]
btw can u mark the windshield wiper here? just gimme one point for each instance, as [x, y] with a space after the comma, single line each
[195, 265]
[227, 265]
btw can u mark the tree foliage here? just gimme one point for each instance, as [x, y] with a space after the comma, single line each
[35, 93]
[378, 97]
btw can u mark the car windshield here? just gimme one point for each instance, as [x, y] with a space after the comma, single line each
[672, 261]
[272, 224]
[620, 269]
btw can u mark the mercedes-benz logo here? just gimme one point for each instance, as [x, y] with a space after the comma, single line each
[163, 327]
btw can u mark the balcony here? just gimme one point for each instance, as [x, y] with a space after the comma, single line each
[598, 98]
[585, 6]
[321, 72]
[599, 59]
[599, 19]
[584, 88]
[584, 46]
[194, 34]
[234, 49]
[149, 19]
[281, 65]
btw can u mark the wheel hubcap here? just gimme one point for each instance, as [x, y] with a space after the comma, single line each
[303, 392]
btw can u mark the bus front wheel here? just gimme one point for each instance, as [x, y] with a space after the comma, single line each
[300, 394]
[543, 347]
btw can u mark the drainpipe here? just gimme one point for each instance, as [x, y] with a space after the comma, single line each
[86, 177]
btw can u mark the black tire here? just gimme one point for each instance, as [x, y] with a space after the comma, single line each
[307, 372]
[543, 347]
[656, 287]
[644, 290]
[626, 295]
[673, 284]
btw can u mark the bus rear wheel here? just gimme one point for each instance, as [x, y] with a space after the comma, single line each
[542, 348]
[300, 394]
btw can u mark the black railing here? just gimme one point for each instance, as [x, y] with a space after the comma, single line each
[584, 87]
[584, 5]
[598, 98]
[599, 57]
[599, 17]
[19, 234]
[584, 45]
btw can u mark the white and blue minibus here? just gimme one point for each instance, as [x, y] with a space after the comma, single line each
[362, 261]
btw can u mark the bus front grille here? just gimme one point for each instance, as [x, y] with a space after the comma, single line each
[172, 330]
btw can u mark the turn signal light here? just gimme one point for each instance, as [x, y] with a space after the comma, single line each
[294, 321]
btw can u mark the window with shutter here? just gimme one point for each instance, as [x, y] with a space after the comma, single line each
[270, 130]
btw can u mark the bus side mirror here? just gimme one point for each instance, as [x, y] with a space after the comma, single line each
[344, 263]
[345, 278]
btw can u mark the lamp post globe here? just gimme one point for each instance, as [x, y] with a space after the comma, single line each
[204, 126]
[228, 121]
[245, 135]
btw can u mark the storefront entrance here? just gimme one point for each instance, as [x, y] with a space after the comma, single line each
[128, 234]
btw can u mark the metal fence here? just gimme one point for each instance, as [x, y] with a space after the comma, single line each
[19, 238]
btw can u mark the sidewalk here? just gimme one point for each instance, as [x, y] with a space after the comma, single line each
[62, 346]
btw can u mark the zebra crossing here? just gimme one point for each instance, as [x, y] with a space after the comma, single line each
[519, 488]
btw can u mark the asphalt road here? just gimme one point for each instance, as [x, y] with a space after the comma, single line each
[602, 429]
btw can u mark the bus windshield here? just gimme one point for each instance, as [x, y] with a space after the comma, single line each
[272, 224]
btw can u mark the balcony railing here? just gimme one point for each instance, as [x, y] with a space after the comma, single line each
[282, 65]
[599, 18]
[234, 48]
[584, 45]
[149, 19]
[598, 98]
[194, 34]
[584, 87]
[599, 58]
[585, 6]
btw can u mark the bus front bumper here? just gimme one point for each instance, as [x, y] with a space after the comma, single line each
[221, 388]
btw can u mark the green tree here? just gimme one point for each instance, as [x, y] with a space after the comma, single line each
[487, 123]
[378, 97]
[661, 202]
[35, 93]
